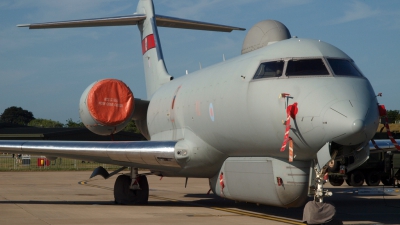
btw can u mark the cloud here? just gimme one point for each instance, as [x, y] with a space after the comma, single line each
[391, 20]
[356, 11]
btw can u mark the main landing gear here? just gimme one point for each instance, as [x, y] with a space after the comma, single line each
[130, 189]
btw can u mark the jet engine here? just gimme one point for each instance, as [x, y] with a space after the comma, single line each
[106, 106]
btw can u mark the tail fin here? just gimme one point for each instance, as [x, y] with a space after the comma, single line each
[154, 67]
[153, 60]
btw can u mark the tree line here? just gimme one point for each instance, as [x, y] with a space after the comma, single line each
[393, 116]
[20, 116]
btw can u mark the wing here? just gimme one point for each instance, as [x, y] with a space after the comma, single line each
[155, 155]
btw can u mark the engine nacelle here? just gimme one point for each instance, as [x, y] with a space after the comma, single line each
[106, 106]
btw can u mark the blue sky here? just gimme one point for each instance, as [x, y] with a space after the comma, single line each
[46, 71]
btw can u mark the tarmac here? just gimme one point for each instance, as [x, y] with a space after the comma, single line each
[73, 198]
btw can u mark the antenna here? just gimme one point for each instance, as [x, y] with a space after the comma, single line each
[187, 72]
[223, 57]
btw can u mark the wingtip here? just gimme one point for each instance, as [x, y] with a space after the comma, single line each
[23, 25]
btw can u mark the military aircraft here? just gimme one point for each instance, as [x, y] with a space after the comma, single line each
[261, 126]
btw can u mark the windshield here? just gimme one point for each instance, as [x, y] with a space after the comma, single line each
[304, 67]
[269, 69]
[344, 67]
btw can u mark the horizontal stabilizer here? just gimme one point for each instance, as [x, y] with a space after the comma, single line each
[97, 22]
[162, 21]
[173, 22]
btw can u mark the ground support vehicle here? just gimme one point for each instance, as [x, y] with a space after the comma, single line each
[380, 167]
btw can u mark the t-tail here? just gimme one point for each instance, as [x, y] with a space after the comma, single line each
[147, 21]
[154, 67]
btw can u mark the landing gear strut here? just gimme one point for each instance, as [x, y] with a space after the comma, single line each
[320, 192]
[131, 190]
[318, 212]
[320, 179]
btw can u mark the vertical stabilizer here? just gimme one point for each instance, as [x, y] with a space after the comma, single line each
[154, 67]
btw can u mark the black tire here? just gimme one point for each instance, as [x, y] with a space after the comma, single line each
[336, 181]
[356, 178]
[125, 196]
[373, 178]
[387, 181]
[348, 181]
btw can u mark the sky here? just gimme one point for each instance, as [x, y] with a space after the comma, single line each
[46, 71]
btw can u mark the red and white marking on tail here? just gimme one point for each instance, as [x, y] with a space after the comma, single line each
[148, 43]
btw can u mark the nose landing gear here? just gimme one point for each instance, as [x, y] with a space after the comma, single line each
[320, 180]
[318, 212]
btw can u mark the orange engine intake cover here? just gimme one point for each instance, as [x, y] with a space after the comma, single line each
[110, 102]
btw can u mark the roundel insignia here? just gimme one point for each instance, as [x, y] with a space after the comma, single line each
[211, 111]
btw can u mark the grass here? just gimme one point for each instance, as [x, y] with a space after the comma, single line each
[394, 128]
[8, 163]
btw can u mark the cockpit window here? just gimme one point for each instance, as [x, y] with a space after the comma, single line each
[304, 67]
[343, 67]
[269, 69]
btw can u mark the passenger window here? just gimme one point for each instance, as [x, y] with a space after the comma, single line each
[344, 67]
[269, 69]
[304, 67]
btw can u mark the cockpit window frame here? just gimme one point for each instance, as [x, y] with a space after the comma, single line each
[327, 66]
[266, 61]
[348, 59]
[323, 58]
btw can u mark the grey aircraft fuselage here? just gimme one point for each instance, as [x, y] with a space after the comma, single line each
[221, 111]
[228, 125]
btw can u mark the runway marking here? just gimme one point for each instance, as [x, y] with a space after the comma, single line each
[261, 216]
[86, 183]
[230, 210]
[209, 215]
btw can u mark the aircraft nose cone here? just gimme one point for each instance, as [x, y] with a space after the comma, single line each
[358, 125]
[346, 122]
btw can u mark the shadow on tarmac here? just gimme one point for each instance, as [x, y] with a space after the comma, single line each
[350, 207]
